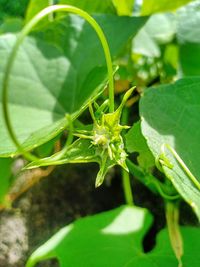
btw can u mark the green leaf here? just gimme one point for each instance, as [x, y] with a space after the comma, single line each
[135, 142]
[11, 25]
[171, 55]
[124, 8]
[144, 44]
[153, 6]
[5, 177]
[112, 238]
[47, 149]
[80, 151]
[51, 77]
[12, 8]
[159, 29]
[188, 19]
[37, 79]
[97, 6]
[190, 65]
[162, 254]
[34, 7]
[170, 115]
[189, 39]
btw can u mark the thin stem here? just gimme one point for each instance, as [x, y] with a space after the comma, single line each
[127, 188]
[51, 3]
[25, 31]
[125, 175]
[172, 216]
[70, 131]
[150, 181]
[162, 192]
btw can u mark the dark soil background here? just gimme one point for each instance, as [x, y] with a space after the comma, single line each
[66, 195]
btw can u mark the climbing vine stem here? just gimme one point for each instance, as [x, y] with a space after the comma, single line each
[25, 31]
[128, 194]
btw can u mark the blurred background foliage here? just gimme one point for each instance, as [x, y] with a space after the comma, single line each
[166, 48]
[13, 8]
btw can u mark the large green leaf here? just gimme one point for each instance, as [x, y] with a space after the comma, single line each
[51, 77]
[108, 239]
[170, 115]
[153, 6]
[37, 80]
[189, 38]
[114, 238]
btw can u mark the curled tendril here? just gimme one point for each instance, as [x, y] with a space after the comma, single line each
[25, 31]
[162, 160]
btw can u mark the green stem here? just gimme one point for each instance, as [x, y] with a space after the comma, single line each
[51, 3]
[150, 181]
[172, 216]
[25, 31]
[162, 192]
[127, 188]
[125, 175]
[70, 131]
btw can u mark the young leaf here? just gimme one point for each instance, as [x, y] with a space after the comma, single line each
[170, 115]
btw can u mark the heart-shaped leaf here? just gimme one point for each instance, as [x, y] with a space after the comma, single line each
[108, 239]
[51, 77]
[170, 115]
[114, 238]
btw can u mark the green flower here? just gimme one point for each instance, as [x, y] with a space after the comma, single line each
[102, 144]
